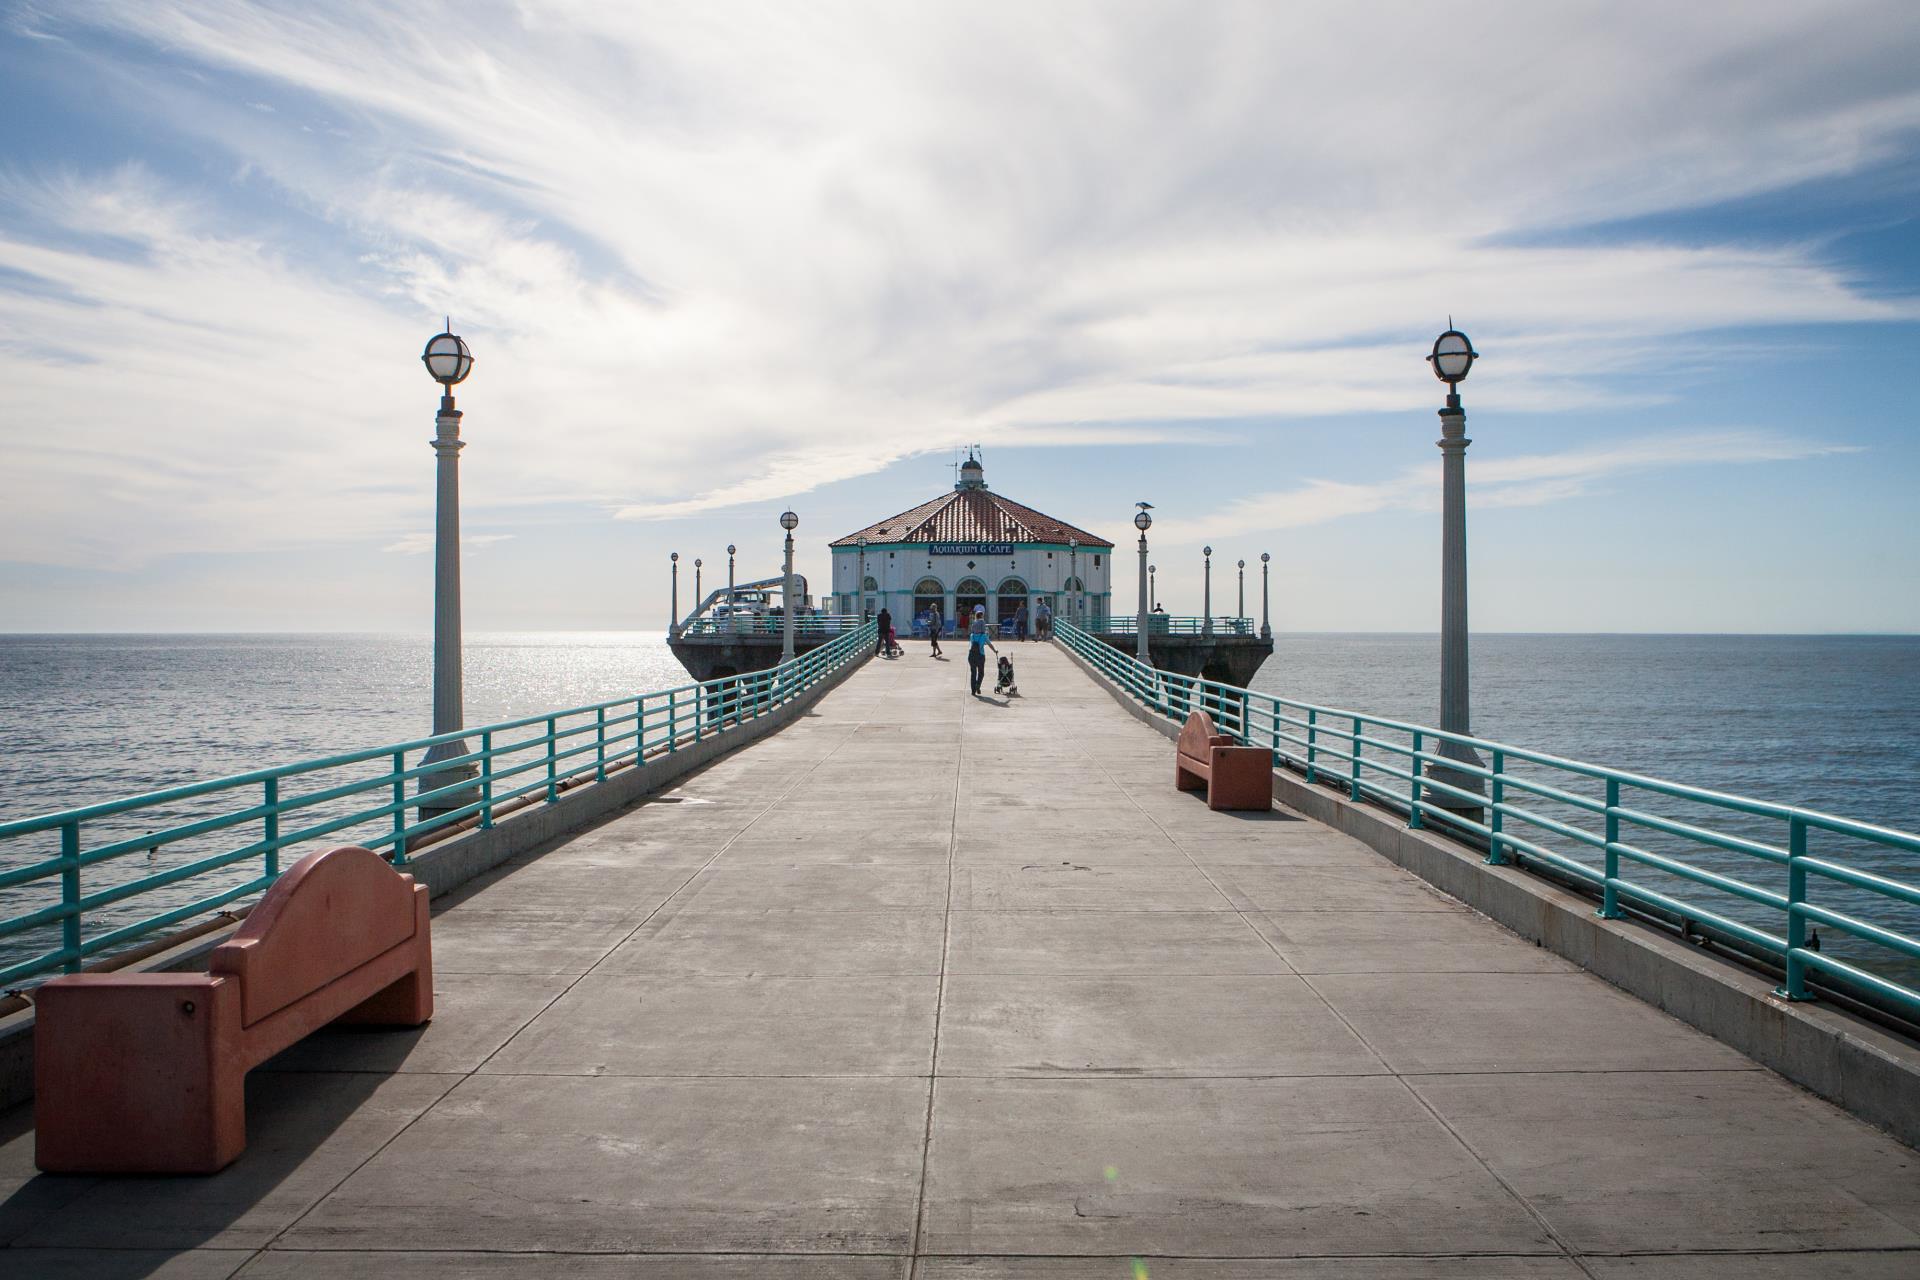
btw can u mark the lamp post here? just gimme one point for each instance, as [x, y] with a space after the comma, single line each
[1266, 616]
[1142, 521]
[449, 362]
[789, 522]
[733, 614]
[1241, 612]
[673, 622]
[1153, 583]
[698, 599]
[863, 578]
[1206, 607]
[1453, 356]
[1073, 580]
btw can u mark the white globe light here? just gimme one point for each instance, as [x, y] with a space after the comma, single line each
[447, 359]
[1453, 355]
[789, 521]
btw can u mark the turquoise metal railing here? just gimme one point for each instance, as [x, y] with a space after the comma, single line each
[1161, 624]
[809, 627]
[1712, 862]
[85, 881]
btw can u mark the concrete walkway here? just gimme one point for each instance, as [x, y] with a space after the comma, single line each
[934, 986]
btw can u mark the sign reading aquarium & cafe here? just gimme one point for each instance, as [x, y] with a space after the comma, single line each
[970, 549]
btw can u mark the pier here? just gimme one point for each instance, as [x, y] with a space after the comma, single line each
[925, 985]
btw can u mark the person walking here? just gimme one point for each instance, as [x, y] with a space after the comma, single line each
[1020, 622]
[934, 623]
[1043, 624]
[978, 642]
[885, 629]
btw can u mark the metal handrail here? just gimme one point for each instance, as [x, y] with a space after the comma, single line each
[525, 761]
[1401, 765]
[1163, 624]
[809, 626]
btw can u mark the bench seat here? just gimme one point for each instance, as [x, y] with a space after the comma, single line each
[1234, 777]
[146, 1072]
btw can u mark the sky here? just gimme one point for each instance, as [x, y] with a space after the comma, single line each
[717, 260]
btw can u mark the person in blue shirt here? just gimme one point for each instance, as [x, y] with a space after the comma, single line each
[978, 642]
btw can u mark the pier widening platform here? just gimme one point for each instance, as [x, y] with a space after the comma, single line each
[935, 986]
[1224, 657]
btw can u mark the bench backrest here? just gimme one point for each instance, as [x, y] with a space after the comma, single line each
[327, 915]
[1197, 735]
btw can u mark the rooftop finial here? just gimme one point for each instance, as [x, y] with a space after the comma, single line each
[972, 474]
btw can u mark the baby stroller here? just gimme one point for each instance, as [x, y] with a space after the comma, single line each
[1003, 680]
[893, 649]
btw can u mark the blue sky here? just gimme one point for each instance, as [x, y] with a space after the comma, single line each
[716, 260]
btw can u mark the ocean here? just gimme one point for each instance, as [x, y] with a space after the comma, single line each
[1827, 722]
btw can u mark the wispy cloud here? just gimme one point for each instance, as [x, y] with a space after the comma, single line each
[1528, 480]
[713, 255]
[418, 544]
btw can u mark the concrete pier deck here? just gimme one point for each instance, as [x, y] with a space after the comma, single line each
[1062, 1021]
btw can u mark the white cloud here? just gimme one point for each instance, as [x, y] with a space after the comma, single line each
[418, 544]
[1528, 480]
[710, 255]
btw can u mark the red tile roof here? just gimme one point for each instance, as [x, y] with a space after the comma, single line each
[972, 515]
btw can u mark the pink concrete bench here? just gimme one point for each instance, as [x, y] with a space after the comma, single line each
[1234, 777]
[146, 1072]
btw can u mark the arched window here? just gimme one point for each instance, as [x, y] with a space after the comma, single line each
[929, 595]
[969, 593]
[872, 586]
[1012, 597]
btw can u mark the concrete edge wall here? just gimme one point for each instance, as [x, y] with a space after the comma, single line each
[1850, 1062]
[446, 866]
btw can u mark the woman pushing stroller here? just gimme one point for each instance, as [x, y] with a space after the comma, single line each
[979, 640]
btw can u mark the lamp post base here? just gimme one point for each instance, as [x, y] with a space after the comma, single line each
[1447, 776]
[455, 775]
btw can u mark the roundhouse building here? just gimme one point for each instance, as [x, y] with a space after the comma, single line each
[973, 547]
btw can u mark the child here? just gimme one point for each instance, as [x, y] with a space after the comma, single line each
[1003, 683]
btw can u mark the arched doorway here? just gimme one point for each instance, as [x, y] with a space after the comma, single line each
[1012, 595]
[969, 593]
[1073, 601]
[928, 595]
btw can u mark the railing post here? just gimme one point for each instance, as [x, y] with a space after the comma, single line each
[639, 731]
[1796, 984]
[673, 721]
[1610, 894]
[486, 780]
[600, 745]
[1353, 787]
[553, 760]
[1413, 819]
[270, 863]
[1313, 736]
[1496, 847]
[70, 895]
[699, 710]
[399, 809]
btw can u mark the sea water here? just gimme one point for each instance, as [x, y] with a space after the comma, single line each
[1826, 722]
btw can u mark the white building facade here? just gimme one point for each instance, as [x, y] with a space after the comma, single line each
[973, 547]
